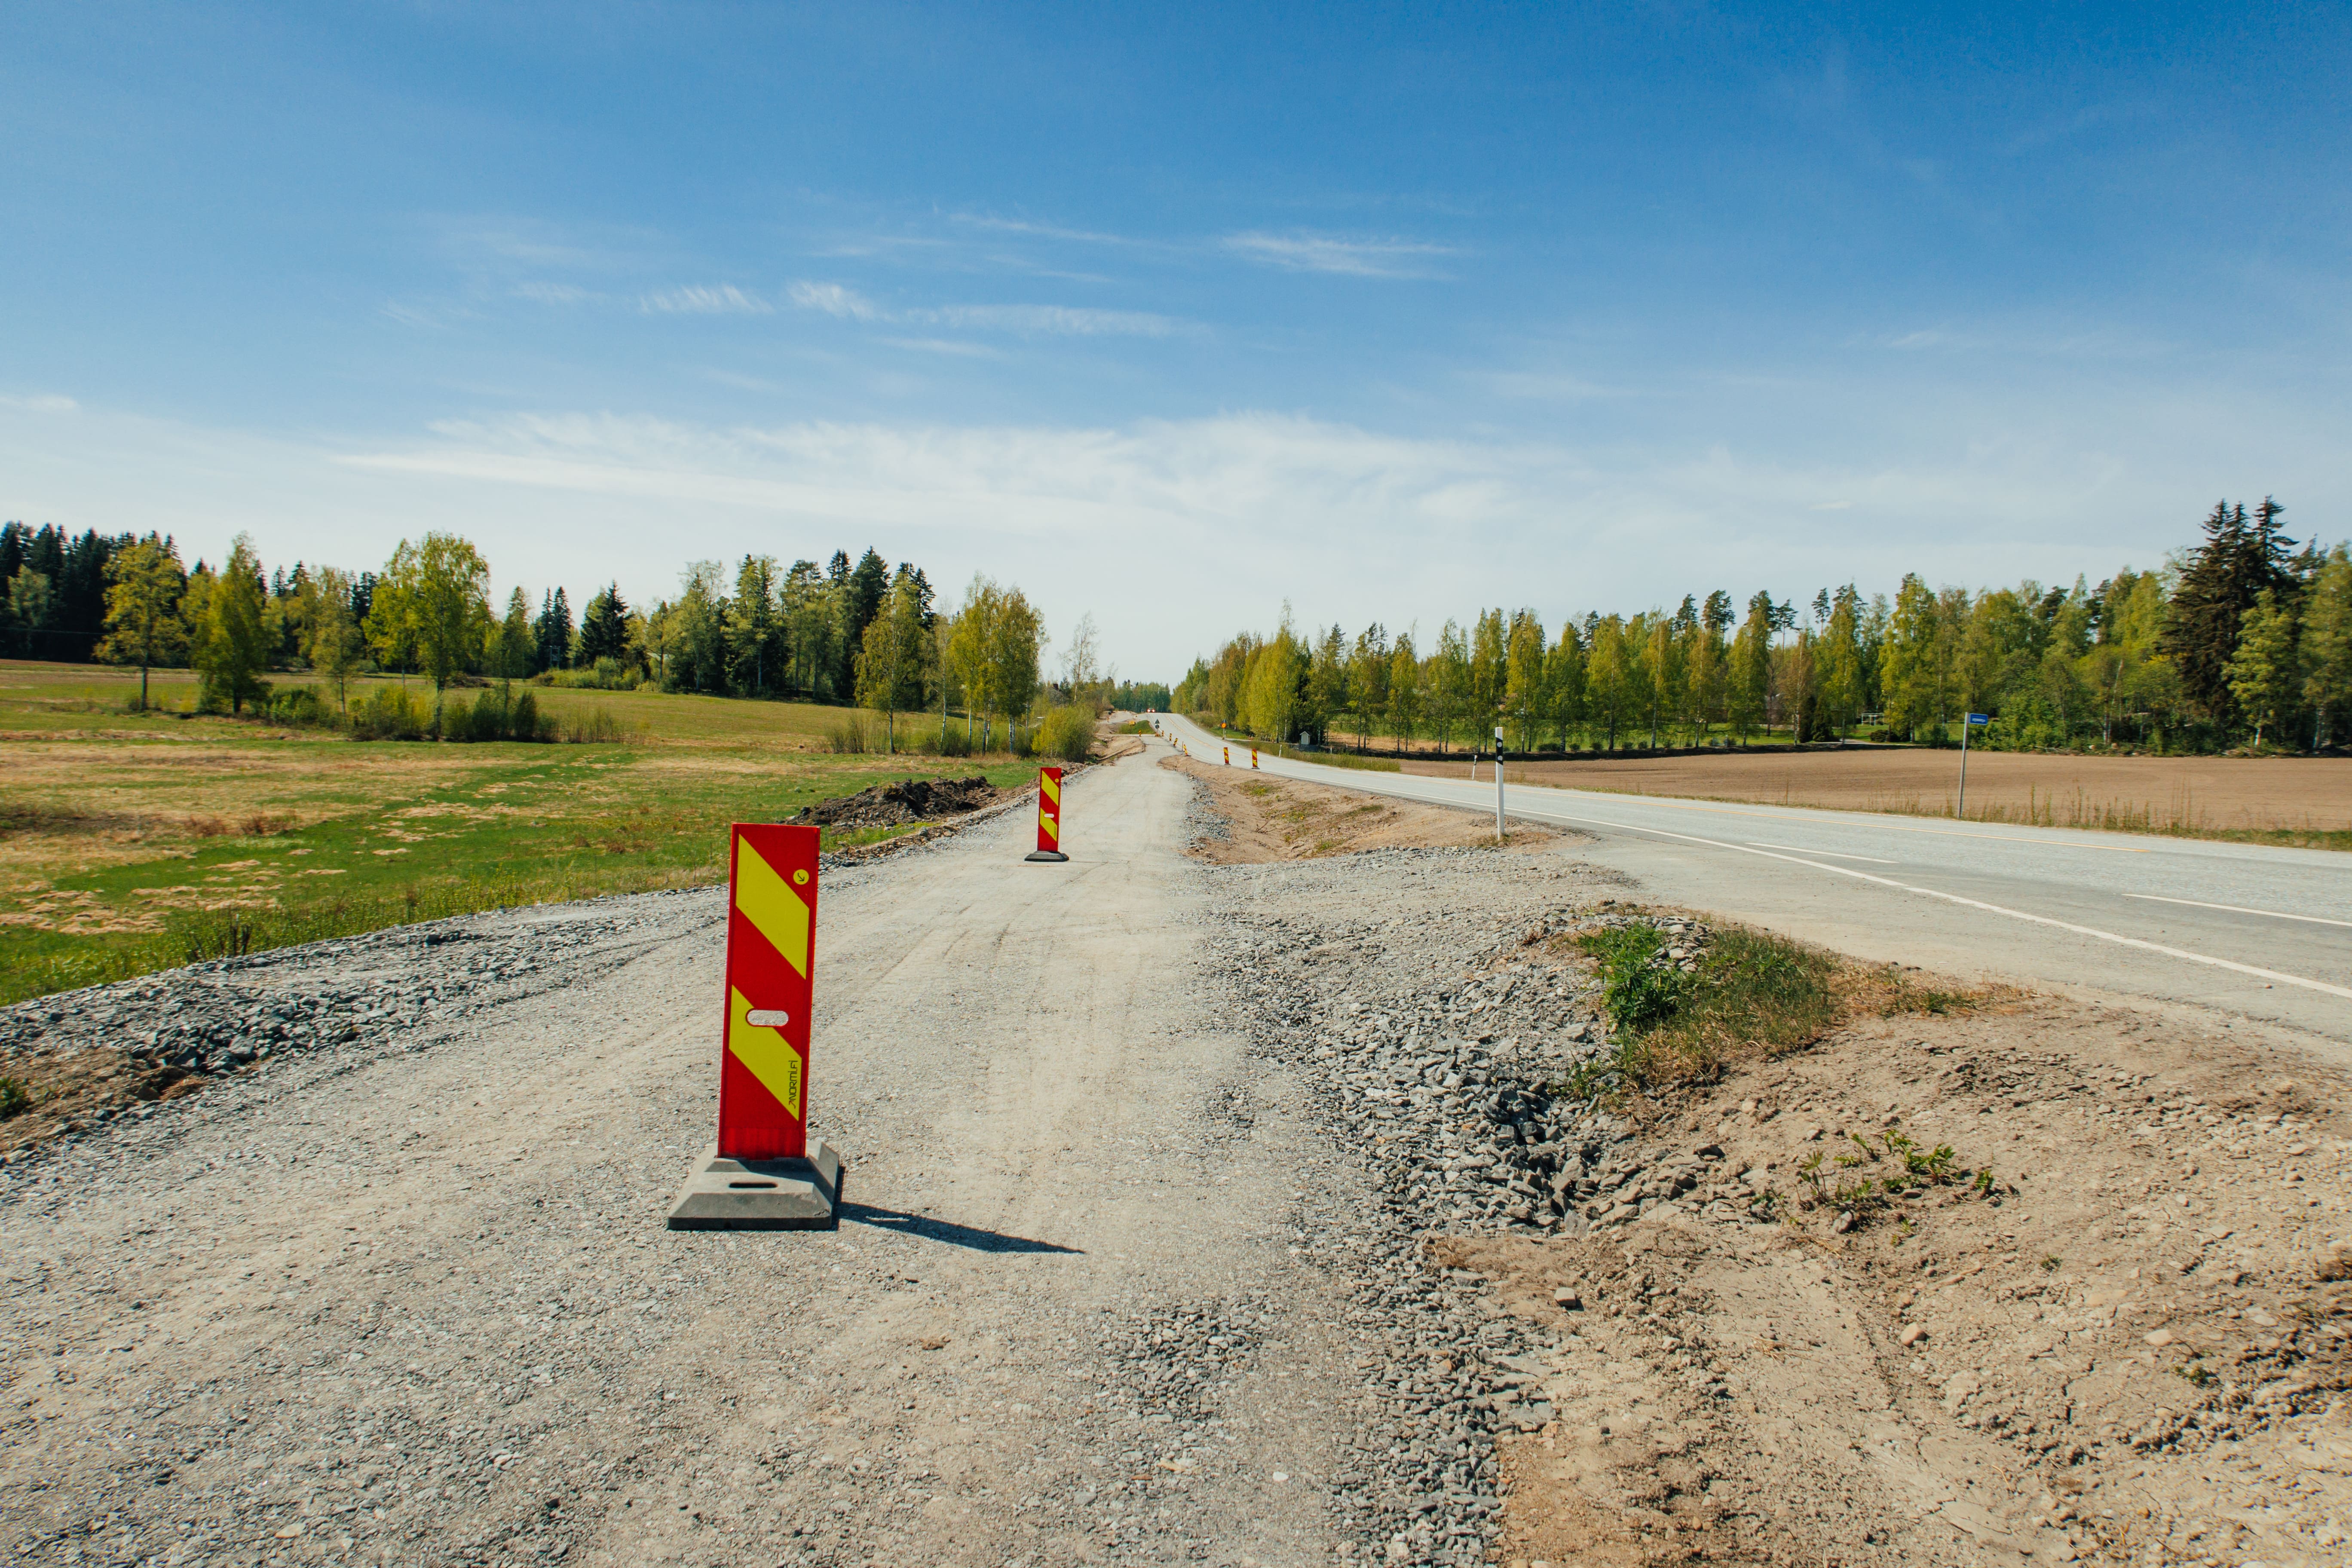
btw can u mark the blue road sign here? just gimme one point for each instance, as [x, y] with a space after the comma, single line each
[1979, 718]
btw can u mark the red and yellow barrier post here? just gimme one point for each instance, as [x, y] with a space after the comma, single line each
[1229, 756]
[761, 1174]
[1252, 756]
[1049, 815]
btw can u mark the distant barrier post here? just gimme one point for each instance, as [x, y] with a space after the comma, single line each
[1049, 815]
[761, 1174]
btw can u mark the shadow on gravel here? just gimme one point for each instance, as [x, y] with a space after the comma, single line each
[945, 1230]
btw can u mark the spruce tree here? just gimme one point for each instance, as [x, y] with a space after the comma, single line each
[551, 634]
[2240, 559]
[604, 628]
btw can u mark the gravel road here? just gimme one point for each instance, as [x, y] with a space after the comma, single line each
[1124, 1277]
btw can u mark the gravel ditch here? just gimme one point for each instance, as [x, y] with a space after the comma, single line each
[1437, 1036]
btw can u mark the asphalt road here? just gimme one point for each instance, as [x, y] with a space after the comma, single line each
[2249, 932]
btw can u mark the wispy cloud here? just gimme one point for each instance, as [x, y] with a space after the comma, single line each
[833, 300]
[1349, 257]
[1045, 230]
[723, 299]
[957, 346]
[1063, 321]
[42, 403]
[1060, 319]
[554, 293]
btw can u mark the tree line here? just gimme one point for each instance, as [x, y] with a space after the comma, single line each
[837, 633]
[2242, 639]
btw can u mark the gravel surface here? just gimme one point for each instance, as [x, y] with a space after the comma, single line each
[1116, 1282]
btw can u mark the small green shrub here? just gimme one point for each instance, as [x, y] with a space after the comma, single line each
[1640, 990]
[388, 713]
[850, 734]
[607, 674]
[299, 706]
[954, 742]
[14, 1097]
[1069, 733]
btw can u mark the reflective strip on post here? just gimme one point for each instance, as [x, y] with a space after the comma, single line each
[771, 957]
[1252, 756]
[1049, 810]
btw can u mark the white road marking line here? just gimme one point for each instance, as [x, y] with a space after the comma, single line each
[2260, 974]
[2238, 909]
[1833, 854]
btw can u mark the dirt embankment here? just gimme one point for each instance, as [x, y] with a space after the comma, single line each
[2169, 794]
[2134, 1350]
[1266, 818]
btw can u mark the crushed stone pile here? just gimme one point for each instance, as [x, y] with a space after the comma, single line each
[900, 801]
[116, 1053]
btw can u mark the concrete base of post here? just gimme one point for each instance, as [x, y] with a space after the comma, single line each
[761, 1195]
[1045, 854]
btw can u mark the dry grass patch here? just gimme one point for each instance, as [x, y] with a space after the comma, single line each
[1269, 819]
[1681, 1019]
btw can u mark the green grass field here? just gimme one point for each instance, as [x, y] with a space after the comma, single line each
[130, 842]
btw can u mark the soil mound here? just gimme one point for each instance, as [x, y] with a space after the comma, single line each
[899, 802]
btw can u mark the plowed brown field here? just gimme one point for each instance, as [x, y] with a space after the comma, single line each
[2177, 795]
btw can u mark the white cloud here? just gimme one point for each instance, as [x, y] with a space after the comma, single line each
[723, 299]
[1066, 320]
[1057, 320]
[553, 293]
[1350, 258]
[42, 403]
[833, 300]
[956, 346]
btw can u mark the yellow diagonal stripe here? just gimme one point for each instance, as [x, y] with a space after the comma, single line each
[771, 1061]
[770, 904]
[1050, 787]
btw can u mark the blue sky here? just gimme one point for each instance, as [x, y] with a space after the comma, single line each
[1384, 313]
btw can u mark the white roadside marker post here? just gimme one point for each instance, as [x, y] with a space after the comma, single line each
[1498, 785]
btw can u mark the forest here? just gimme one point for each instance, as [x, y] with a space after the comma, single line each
[2243, 641]
[865, 634]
